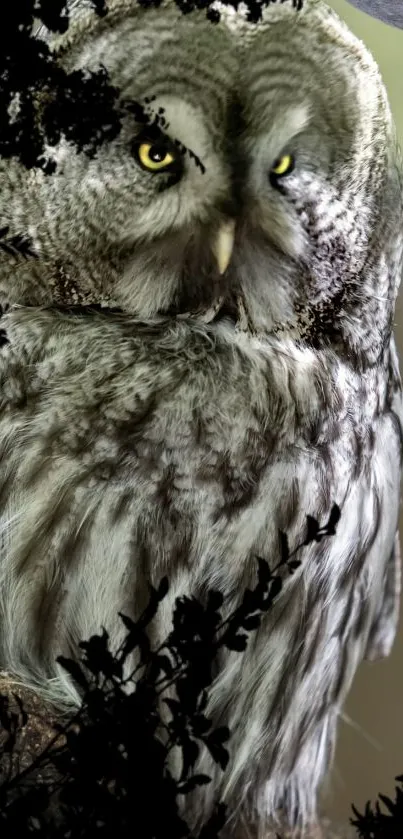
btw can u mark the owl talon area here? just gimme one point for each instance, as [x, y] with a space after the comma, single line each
[233, 310]
[242, 323]
[205, 315]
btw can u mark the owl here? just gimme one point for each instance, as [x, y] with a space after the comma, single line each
[196, 353]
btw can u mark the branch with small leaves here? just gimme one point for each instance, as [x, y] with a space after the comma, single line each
[110, 763]
[373, 823]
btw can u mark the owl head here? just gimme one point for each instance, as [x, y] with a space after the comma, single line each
[263, 184]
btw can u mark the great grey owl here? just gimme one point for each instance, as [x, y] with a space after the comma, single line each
[249, 378]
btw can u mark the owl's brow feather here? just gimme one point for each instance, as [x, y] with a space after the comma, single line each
[98, 119]
[254, 7]
[156, 123]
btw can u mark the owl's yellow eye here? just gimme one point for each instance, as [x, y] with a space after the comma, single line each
[154, 157]
[282, 166]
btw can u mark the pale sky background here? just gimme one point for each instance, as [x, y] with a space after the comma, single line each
[375, 705]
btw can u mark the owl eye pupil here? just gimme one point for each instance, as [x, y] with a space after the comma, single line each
[156, 155]
[281, 168]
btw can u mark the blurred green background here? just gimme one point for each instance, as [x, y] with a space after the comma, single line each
[370, 748]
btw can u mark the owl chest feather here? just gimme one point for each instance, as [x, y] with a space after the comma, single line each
[192, 442]
[130, 451]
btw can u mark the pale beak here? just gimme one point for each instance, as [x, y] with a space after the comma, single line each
[224, 244]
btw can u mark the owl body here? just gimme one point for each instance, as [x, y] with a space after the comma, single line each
[163, 460]
[178, 435]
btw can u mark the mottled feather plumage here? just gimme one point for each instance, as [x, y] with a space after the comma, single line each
[143, 443]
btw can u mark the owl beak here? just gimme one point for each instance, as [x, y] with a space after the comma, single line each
[224, 244]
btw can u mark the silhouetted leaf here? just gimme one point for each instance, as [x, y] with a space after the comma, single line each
[75, 671]
[251, 622]
[264, 571]
[162, 589]
[215, 600]
[214, 743]
[192, 783]
[98, 658]
[312, 530]
[164, 663]
[293, 565]
[333, 520]
[284, 548]
[190, 753]
[200, 724]
[275, 587]
[388, 803]
[236, 642]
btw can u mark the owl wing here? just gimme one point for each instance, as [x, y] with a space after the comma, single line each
[384, 626]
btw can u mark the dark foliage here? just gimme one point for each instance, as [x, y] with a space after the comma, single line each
[40, 102]
[107, 770]
[374, 823]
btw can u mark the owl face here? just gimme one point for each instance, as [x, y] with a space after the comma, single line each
[265, 173]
